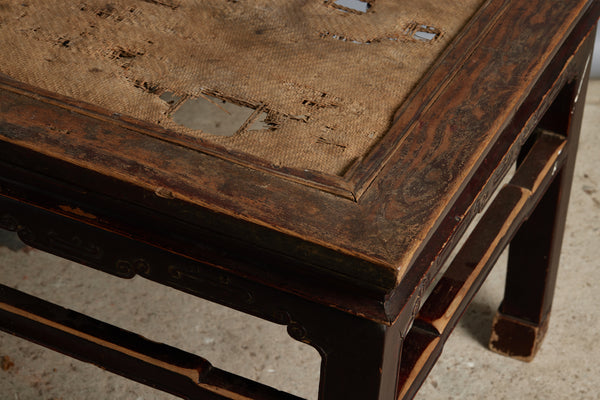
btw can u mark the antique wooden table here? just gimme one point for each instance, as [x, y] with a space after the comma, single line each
[369, 136]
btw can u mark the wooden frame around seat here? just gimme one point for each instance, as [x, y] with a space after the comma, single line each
[376, 342]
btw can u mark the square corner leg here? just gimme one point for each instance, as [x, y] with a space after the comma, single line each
[522, 320]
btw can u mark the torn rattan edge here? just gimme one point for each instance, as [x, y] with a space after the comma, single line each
[357, 177]
[328, 183]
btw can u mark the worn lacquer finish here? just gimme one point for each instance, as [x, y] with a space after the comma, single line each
[352, 264]
[387, 226]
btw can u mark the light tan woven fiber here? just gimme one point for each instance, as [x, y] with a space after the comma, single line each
[328, 78]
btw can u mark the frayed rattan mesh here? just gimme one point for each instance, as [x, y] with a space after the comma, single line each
[328, 78]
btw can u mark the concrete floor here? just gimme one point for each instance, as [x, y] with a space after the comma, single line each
[566, 367]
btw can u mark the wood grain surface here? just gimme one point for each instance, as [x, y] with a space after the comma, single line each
[371, 239]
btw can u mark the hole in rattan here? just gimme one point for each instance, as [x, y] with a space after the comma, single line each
[212, 115]
[262, 122]
[170, 98]
[343, 38]
[423, 33]
[358, 6]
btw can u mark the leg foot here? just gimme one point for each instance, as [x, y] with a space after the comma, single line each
[516, 338]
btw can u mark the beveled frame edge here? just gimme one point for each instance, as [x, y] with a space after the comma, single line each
[314, 179]
[429, 262]
[429, 88]
[359, 174]
[402, 296]
[397, 263]
[584, 22]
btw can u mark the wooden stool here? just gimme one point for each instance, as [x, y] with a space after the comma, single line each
[371, 135]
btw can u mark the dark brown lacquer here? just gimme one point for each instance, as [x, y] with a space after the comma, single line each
[352, 264]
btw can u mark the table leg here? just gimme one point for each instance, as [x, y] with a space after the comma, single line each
[360, 358]
[522, 319]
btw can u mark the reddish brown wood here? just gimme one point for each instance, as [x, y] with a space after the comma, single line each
[485, 244]
[489, 174]
[373, 347]
[522, 320]
[154, 364]
[449, 299]
[382, 233]
[344, 263]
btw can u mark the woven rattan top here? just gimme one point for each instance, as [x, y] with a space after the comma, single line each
[320, 80]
